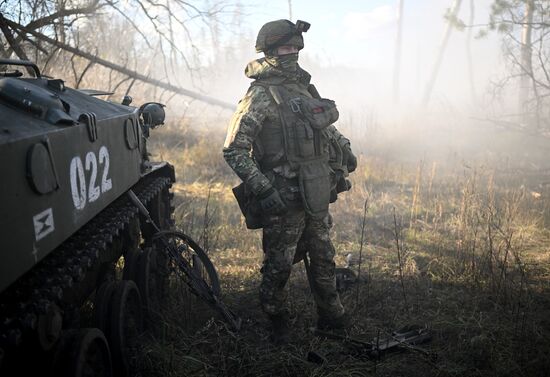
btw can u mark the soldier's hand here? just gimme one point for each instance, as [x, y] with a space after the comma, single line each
[351, 160]
[271, 202]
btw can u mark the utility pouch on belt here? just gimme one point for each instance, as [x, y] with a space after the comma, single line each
[320, 113]
[248, 206]
[314, 179]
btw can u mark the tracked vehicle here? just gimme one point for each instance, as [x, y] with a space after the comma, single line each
[68, 158]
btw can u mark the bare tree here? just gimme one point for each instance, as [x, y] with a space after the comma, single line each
[51, 32]
[397, 59]
[451, 16]
[525, 29]
[469, 54]
[526, 54]
[290, 10]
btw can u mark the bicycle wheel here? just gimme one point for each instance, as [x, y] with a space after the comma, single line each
[195, 256]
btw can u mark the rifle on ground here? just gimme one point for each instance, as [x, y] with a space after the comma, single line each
[407, 338]
[191, 275]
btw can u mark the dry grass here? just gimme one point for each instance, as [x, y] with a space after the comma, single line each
[472, 264]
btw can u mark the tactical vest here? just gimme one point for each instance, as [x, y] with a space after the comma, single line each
[301, 140]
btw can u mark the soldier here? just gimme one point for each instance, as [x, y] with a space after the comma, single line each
[283, 145]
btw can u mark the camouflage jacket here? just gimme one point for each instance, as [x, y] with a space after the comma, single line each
[253, 110]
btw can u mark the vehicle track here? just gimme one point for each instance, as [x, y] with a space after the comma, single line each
[47, 299]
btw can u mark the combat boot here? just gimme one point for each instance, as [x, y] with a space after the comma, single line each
[280, 332]
[339, 323]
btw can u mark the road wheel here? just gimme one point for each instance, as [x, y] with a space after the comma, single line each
[82, 353]
[150, 279]
[125, 326]
[102, 306]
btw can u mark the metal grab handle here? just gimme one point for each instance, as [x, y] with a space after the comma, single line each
[24, 63]
[142, 209]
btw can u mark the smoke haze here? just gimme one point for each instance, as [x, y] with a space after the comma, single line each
[350, 51]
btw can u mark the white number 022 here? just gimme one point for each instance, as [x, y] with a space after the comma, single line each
[81, 192]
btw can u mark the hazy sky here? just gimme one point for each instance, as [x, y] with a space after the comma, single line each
[363, 32]
[342, 32]
[359, 36]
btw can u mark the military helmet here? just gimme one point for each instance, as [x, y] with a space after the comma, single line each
[281, 33]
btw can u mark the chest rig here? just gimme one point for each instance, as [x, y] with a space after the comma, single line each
[300, 141]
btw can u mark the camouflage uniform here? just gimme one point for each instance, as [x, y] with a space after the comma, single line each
[282, 238]
[284, 234]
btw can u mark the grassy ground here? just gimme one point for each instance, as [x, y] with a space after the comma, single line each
[460, 247]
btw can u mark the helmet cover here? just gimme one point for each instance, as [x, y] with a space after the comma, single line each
[281, 33]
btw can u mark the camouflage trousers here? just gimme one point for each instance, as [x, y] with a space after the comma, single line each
[283, 237]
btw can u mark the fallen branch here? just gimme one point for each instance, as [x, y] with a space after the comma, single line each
[115, 67]
[4, 23]
[513, 127]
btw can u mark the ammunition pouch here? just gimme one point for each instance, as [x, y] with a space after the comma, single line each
[315, 187]
[320, 113]
[249, 207]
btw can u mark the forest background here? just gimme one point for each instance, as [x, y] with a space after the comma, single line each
[447, 106]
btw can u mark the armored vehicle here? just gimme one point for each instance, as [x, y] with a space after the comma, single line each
[68, 158]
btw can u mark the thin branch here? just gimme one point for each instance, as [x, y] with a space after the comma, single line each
[363, 226]
[397, 231]
[22, 36]
[123, 70]
[50, 19]
[84, 71]
[130, 87]
[120, 83]
[11, 41]
[525, 71]
[136, 27]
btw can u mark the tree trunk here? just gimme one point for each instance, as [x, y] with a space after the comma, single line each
[526, 59]
[397, 59]
[469, 54]
[435, 70]
[290, 10]
[60, 25]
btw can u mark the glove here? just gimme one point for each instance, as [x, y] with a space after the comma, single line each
[271, 202]
[350, 159]
[343, 185]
